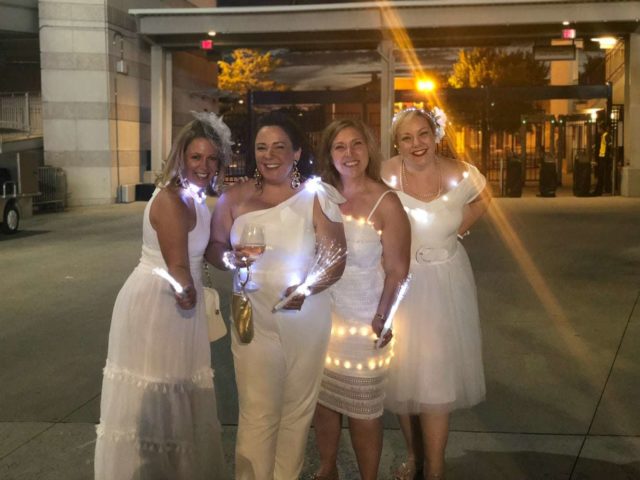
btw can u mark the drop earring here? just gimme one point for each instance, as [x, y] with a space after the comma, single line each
[295, 176]
[257, 176]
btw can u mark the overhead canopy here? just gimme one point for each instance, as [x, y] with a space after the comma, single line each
[363, 25]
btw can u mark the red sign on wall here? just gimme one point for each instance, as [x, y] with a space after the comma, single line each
[206, 44]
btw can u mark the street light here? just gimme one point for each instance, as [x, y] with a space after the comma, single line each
[426, 85]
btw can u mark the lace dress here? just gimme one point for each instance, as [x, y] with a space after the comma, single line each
[437, 362]
[278, 372]
[355, 371]
[158, 416]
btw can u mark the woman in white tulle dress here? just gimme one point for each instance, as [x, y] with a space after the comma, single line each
[378, 240]
[278, 372]
[438, 356]
[158, 417]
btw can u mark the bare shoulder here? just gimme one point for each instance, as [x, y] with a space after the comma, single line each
[169, 198]
[239, 191]
[390, 167]
[452, 168]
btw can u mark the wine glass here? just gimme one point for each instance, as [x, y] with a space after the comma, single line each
[251, 246]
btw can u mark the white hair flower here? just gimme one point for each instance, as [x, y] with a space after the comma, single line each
[220, 129]
[440, 121]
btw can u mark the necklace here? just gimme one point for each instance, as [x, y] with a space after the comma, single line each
[427, 195]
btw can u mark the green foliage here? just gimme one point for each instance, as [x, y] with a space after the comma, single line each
[489, 67]
[248, 70]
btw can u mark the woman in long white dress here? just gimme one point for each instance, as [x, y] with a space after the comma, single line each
[378, 240]
[278, 372]
[158, 416]
[438, 356]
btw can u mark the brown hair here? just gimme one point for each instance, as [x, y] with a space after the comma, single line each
[328, 170]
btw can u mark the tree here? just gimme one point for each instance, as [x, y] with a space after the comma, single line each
[488, 67]
[248, 70]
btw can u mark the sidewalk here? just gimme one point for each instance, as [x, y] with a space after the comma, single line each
[558, 285]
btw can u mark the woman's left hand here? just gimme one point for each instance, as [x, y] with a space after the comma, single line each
[187, 299]
[296, 301]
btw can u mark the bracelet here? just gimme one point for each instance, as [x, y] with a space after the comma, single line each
[379, 316]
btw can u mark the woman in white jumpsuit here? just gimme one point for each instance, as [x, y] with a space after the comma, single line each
[278, 373]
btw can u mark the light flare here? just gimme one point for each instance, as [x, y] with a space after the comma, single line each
[401, 291]
[326, 257]
[161, 272]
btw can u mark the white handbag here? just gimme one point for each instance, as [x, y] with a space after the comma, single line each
[215, 322]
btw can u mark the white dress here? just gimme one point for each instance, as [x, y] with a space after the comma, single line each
[355, 371]
[158, 416]
[278, 372]
[437, 364]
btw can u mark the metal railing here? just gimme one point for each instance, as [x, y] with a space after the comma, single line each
[21, 112]
[52, 183]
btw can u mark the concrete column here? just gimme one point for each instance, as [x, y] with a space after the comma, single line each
[387, 94]
[158, 105]
[168, 104]
[630, 185]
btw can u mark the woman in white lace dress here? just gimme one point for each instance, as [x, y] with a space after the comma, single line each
[278, 372]
[158, 416]
[437, 365]
[378, 241]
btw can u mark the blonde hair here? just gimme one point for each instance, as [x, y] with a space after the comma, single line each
[207, 126]
[328, 171]
[436, 119]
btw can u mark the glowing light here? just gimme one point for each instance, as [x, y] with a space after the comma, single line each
[454, 183]
[161, 272]
[361, 221]
[419, 215]
[336, 362]
[445, 198]
[353, 330]
[314, 185]
[425, 85]
[359, 366]
[228, 258]
[401, 291]
[195, 192]
[379, 232]
[606, 43]
[347, 364]
[364, 331]
[326, 257]
[566, 22]
[341, 332]
[387, 361]
[380, 362]
[393, 181]
[372, 364]
[465, 174]
[212, 33]
[328, 360]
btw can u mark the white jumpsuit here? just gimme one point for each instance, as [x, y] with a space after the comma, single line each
[278, 373]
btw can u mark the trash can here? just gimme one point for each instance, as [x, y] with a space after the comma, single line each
[581, 175]
[514, 177]
[548, 176]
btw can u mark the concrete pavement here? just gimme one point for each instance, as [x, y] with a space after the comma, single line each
[558, 285]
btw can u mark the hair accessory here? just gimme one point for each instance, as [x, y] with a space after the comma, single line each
[220, 129]
[437, 117]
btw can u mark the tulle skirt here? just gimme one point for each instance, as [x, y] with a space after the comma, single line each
[437, 363]
[158, 414]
